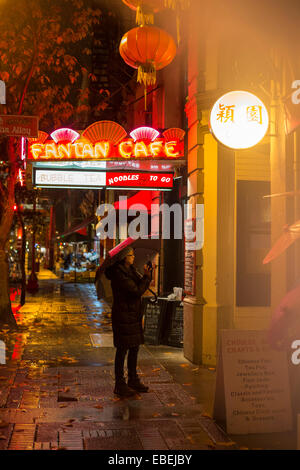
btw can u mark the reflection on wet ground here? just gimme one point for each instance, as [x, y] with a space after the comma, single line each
[56, 388]
[57, 322]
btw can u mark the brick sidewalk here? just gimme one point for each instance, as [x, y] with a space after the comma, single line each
[57, 388]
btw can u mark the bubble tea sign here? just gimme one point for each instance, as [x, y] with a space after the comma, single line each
[239, 120]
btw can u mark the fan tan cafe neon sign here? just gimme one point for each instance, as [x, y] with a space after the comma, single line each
[106, 140]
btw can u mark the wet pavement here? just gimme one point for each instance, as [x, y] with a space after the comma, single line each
[56, 388]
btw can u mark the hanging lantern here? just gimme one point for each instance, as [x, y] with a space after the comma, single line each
[177, 5]
[145, 9]
[148, 49]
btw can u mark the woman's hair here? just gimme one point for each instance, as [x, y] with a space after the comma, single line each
[125, 252]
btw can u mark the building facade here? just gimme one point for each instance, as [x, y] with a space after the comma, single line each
[234, 289]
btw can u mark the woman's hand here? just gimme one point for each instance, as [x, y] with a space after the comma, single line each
[148, 270]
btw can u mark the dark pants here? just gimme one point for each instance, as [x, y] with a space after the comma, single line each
[131, 362]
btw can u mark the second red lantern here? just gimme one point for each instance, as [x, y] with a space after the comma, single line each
[147, 48]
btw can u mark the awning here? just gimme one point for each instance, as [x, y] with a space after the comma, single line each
[79, 228]
[152, 244]
[142, 197]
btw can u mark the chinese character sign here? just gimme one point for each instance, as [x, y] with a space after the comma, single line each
[239, 120]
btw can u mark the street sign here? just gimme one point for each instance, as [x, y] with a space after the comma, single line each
[19, 126]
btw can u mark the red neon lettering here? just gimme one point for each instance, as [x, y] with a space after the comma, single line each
[170, 149]
[51, 151]
[155, 148]
[140, 148]
[125, 148]
[36, 150]
[64, 150]
[102, 149]
[88, 151]
[79, 149]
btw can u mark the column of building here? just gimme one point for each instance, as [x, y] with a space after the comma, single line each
[211, 181]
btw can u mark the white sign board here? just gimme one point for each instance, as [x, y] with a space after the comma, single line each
[239, 120]
[252, 385]
[71, 178]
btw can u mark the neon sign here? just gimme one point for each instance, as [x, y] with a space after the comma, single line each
[139, 179]
[92, 145]
[55, 178]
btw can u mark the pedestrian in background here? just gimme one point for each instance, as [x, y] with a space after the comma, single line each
[127, 287]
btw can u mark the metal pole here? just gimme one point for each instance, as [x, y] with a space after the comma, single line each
[33, 285]
[75, 262]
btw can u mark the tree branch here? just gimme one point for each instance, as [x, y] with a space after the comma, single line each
[28, 77]
[2, 190]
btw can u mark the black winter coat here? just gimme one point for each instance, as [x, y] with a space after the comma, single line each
[127, 288]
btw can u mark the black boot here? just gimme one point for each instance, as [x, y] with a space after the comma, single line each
[135, 384]
[122, 390]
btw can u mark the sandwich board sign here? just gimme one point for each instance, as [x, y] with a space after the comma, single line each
[252, 384]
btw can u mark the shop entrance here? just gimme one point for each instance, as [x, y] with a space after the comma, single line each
[145, 168]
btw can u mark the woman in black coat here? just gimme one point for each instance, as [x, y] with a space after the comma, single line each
[127, 287]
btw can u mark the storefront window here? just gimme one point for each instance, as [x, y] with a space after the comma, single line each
[253, 242]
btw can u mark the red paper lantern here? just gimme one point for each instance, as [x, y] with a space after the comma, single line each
[145, 9]
[177, 4]
[147, 48]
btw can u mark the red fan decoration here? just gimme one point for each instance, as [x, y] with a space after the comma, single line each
[144, 133]
[41, 138]
[174, 133]
[64, 135]
[105, 130]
